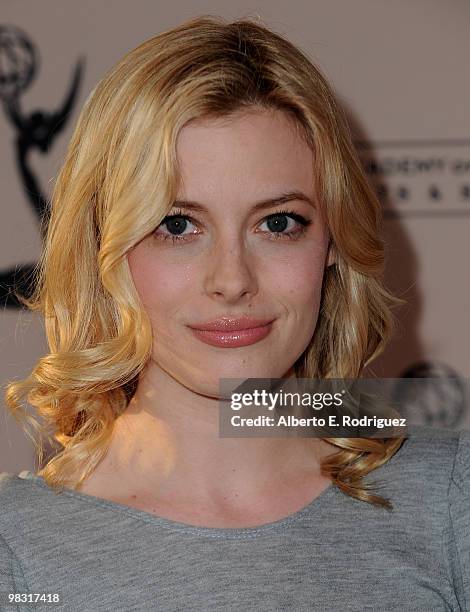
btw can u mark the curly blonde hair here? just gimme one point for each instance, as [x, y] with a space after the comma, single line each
[117, 183]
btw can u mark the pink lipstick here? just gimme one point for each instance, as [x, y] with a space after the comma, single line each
[232, 332]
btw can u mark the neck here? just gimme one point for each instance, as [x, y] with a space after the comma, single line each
[167, 443]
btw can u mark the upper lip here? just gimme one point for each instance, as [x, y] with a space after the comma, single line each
[229, 323]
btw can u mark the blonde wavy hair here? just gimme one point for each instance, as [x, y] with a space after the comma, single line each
[118, 182]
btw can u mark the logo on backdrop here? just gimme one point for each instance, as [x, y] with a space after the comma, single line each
[34, 130]
[419, 178]
[441, 402]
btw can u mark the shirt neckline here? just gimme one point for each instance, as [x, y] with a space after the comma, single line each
[315, 504]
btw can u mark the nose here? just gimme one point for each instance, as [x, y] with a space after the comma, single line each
[231, 273]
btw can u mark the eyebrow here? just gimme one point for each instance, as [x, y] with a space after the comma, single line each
[262, 204]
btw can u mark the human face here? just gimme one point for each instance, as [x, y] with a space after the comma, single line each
[230, 259]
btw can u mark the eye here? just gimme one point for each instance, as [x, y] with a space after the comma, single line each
[277, 224]
[176, 223]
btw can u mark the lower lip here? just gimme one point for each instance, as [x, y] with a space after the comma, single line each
[242, 337]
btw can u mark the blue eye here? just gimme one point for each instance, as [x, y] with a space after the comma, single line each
[277, 224]
[177, 223]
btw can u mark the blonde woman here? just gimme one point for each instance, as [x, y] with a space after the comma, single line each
[211, 220]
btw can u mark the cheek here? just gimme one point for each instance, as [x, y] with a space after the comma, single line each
[293, 276]
[298, 279]
[160, 287]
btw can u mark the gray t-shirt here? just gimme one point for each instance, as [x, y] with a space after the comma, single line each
[335, 554]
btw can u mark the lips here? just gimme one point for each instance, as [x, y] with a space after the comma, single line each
[228, 324]
[232, 332]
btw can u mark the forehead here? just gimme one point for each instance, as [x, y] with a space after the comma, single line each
[248, 156]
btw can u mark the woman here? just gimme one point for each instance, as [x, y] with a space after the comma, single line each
[211, 184]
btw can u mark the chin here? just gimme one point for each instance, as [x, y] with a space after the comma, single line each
[238, 372]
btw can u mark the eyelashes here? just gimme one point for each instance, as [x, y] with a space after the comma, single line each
[178, 220]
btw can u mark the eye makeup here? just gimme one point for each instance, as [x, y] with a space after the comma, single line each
[302, 224]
